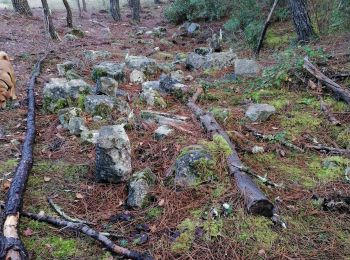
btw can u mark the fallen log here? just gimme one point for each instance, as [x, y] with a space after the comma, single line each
[255, 201]
[11, 247]
[82, 228]
[338, 91]
[326, 110]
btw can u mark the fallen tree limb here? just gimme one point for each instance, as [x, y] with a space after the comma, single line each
[82, 228]
[330, 150]
[255, 201]
[11, 247]
[338, 91]
[326, 110]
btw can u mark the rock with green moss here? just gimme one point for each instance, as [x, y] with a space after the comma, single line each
[78, 32]
[107, 86]
[99, 105]
[260, 112]
[94, 55]
[187, 172]
[139, 186]
[71, 74]
[166, 67]
[153, 98]
[113, 155]
[64, 67]
[60, 93]
[245, 67]
[70, 119]
[70, 37]
[170, 85]
[178, 75]
[141, 63]
[109, 69]
[89, 136]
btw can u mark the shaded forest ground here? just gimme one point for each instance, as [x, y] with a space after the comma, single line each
[67, 173]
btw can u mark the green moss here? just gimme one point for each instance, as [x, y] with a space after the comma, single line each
[103, 110]
[219, 190]
[299, 122]
[183, 243]
[218, 148]
[343, 138]
[213, 228]
[146, 175]
[330, 169]
[275, 40]
[81, 101]
[98, 73]
[7, 166]
[154, 213]
[279, 103]
[205, 169]
[220, 114]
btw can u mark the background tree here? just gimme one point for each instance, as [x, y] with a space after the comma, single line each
[79, 9]
[157, 2]
[22, 7]
[84, 6]
[115, 10]
[69, 14]
[130, 3]
[48, 20]
[301, 18]
[136, 8]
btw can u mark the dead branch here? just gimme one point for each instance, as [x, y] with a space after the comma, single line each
[255, 201]
[82, 228]
[338, 91]
[11, 247]
[326, 110]
[60, 212]
[330, 150]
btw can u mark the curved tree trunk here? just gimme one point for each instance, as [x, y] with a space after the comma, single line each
[22, 7]
[48, 20]
[136, 8]
[301, 18]
[69, 14]
[84, 6]
[115, 10]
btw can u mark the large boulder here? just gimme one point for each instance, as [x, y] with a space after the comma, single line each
[260, 112]
[106, 86]
[217, 60]
[139, 186]
[187, 170]
[109, 69]
[113, 155]
[59, 92]
[244, 67]
[142, 63]
[99, 105]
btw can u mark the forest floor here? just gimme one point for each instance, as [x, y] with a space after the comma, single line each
[66, 173]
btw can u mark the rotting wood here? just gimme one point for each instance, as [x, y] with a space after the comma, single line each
[336, 89]
[326, 110]
[267, 23]
[11, 247]
[330, 150]
[255, 201]
[80, 227]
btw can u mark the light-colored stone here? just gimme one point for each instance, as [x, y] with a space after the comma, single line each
[162, 132]
[178, 75]
[163, 118]
[109, 69]
[137, 77]
[142, 63]
[107, 86]
[245, 67]
[260, 112]
[94, 55]
[99, 105]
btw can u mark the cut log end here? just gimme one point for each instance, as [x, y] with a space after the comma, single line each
[261, 208]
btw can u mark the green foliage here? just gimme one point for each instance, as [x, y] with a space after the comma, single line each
[154, 212]
[218, 148]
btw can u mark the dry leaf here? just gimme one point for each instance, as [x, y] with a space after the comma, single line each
[28, 232]
[153, 229]
[79, 196]
[161, 203]
[6, 185]
[47, 179]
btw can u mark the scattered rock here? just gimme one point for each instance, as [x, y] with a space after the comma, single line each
[178, 75]
[70, 37]
[153, 98]
[166, 67]
[159, 31]
[217, 60]
[142, 63]
[99, 105]
[202, 51]
[94, 55]
[258, 149]
[260, 112]
[162, 132]
[191, 27]
[194, 61]
[89, 136]
[77, 32]
[155, 85]
[113, 155]
[70, 119]
[172, 86]
[109, 69]
[244, 67]
[64, 67]
[106, 86]
[162, 118]
[71, 74]
[180, 58]
[137, 77]
[76, 125]
[186, 172]
[215, 43]
[139, 187]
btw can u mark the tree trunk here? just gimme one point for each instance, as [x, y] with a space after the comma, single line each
[84, 6]
[136, 8]
[115, 10]
[69, 14]
[48, 22]
[22, 7]
[79, 9]
[130, 3]
[301, 18]
[157, 2]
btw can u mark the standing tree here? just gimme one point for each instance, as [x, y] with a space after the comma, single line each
[84, 6]
[136, 8]
[79, 9]
[157, 2]
[115, 10]
[22, 7]
[69, 14]
[301, 18]
[130, 3]
[48, 20]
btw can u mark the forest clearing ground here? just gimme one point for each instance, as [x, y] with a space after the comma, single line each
[67, 172]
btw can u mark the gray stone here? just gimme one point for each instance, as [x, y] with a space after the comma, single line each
[64, 115]
[99, 105]
[70, 37]
[155, 85]
[94, 55]
[162, 132]
[192, 27]
[163, 118]
[109, 69]
[159, 31]
[89, 136]
[244, 67]
[76, 125]
[260, 112]
[203, 51]
[64, 67]
[71, 74]
[137, 77]
[113, 155]
[142, 63]
[139, 186]
[180, 58]
[166, 67]
[195, 61]
[106, 86]
[220, 60]
[178, 75]
[258, 149]
[186, 172]
[153, 98]
[215, 43]
[171, 85]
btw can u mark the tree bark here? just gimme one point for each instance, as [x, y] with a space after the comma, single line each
[115, 10]
[22, 7]
[130, 3]
[69, 14]
[10, 244]
[267, 23]
[79, 9]
[48, 20]
[84, 6]
[255, 201]
[157, 2]
[136, 8]
[301, 18]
